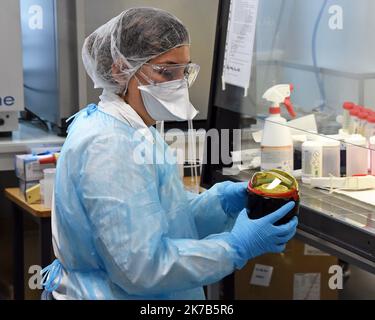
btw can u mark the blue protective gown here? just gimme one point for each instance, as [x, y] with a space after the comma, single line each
[124, 230]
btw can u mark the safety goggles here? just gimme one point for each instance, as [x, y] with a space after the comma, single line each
[274, 184]
[159, 73]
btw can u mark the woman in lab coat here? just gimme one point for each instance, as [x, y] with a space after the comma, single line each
[123, 225]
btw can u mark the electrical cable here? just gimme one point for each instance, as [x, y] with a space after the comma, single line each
[40, 120]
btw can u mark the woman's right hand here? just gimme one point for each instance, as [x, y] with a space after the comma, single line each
[252, 238]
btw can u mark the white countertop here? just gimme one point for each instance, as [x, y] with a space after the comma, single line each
[28, 136]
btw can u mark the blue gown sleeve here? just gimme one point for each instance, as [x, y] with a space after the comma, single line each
[208, 212]
[130, 226]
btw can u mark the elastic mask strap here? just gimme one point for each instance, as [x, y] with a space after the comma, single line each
[160, 128]
[146, 78]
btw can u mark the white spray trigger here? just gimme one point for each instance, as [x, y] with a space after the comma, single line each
[277, 94]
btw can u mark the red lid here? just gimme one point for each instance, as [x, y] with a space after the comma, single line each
[361, 108]
[348, 105]
[363, 115]
[293, 193]
[275, 110]
[354, 112]
[371, 118]
[47, 160]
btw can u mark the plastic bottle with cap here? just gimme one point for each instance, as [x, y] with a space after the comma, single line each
[277, 143]
[347, 107]
[331, 157]
[356, 155]
[312, 160]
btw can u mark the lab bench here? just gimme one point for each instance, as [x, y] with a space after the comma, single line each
[333, 223]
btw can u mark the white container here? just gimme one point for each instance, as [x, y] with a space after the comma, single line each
[277, 142]
[312, 160]
[48, 187]
[356, 155]
[372, 153]
[42, 190]
[331, 157]
[277, 145]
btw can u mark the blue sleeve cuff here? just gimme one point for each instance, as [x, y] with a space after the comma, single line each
[238, 260]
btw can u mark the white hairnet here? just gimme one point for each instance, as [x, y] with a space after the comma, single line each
[127, 42]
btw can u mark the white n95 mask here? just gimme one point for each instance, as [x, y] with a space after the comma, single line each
[168, 101]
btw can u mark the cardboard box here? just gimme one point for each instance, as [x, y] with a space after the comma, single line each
[30, 167]
[24, 185]
[300, 273]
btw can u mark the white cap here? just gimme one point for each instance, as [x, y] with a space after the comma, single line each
[356, 139]
[312, 144]
[329, 142]
[372, 140]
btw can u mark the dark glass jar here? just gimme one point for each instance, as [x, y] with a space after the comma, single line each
[263, 201]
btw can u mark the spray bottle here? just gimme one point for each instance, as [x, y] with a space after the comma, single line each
[277, 143]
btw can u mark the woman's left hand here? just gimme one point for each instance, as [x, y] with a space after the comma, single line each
[234, 197]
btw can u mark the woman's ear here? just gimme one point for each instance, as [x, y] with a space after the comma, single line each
[118, 74]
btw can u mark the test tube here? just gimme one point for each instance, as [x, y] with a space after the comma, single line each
[362, 116]
[347, 106]
[353, 120]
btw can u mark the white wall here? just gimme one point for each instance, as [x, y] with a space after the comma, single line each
[350, 49]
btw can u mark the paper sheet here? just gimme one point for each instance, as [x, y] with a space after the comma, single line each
[311, 251]
[240, 43]
[261, 275]
[367, 196]
[245, 155]
[306, 286]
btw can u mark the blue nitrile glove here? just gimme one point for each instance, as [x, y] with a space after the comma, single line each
[233, 197]
[252, 238]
